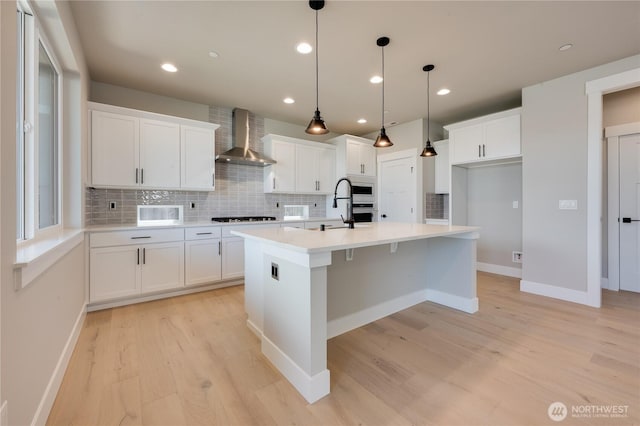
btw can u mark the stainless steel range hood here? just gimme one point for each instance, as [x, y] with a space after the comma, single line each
[241, 153]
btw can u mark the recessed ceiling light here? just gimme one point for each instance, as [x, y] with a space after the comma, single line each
[214, 54]
[443, 92]
[362, 121]
[288, 100]
[376, 79]
[169, 67]
[565, 47]
[304, 48]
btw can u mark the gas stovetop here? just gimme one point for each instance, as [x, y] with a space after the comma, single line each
[243, 219]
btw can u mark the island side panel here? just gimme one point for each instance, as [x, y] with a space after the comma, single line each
[295, 324]
[451, 272]
[374, 284]
[254, 268]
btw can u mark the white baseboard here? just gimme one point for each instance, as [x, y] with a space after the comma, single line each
[352, 321]
[499, 269]
[4, 414]
[49, 396]
[312, 388]
[254, 329]
[555, 292]
[465, 304]
[604, 283]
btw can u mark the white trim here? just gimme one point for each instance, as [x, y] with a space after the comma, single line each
[483, 119]
[254, 329]
[556, 292]
[34, 258]
[312, 388]
[613, 213]
[499, 269]
[352, 321]
[49, 396]
[464, 304]
[604, 283]
[162, 294]
[594, 90]
[4, 413]
[622, 129]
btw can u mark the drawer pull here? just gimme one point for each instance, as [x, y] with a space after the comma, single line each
[138, 261]
[204, 233]
[140, 238]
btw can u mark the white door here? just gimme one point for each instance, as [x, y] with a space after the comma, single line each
[159, 154]
[397, 183]
[198, 158]
[630, 212]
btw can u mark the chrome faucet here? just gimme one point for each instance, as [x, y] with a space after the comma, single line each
[350, 220]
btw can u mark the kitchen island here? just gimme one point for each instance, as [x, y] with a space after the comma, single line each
[304, 286]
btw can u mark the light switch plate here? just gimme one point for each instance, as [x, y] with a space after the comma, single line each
[568, 204]
[515, 204]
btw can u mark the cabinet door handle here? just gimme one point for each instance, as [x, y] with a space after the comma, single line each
[144, 256]
[138, 261]
[479, 152]
[213, 180]
[274, 183]
[141, 175]
[483, 152]
[219, 248]
[203, 233]
[136, 175]
[141, 238]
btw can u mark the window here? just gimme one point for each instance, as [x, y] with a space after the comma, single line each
[38, 133]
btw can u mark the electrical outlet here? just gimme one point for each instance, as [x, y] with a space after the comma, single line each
[515, 204]
[274, 271]
[568, 205]
[516, 256]
[113, 205]
[192, 205]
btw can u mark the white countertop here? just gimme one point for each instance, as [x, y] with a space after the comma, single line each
[375, 233]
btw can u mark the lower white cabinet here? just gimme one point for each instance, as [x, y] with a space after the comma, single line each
[131, 270]
[203, 262]
[232, 257]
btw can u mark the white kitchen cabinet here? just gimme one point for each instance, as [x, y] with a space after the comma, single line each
[203, 255]
[303, 167]
[115, 153]
[489, 138]
[138, 149]
[232, 257]
[159, 154]
[355, 156]
[114, 272]
[197, 158]
[315, 169]
[162, 267]
[442, 172]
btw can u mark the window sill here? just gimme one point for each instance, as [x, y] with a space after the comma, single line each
[34, 259]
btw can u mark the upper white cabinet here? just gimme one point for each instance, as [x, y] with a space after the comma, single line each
[302, 167]
[442, 175]
[488, 138]
[354, 156]
[137, 149]
[197, 158]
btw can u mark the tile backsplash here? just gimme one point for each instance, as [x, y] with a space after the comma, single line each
[239, 188]
[437, 206]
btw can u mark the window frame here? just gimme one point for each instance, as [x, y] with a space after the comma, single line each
[33, 37]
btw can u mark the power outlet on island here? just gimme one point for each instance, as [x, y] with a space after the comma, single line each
[516, 256]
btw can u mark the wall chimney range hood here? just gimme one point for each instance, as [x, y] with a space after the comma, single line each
[241, 153]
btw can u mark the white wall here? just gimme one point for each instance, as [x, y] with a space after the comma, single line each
[554, 150]
[37, 321]
[491, 192]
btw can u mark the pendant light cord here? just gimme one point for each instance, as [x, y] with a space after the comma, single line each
[317, 84]
[428, 109]
[382, 87]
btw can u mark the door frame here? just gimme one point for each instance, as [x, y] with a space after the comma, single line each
[411, 154]
[594, 90]
[612, 135]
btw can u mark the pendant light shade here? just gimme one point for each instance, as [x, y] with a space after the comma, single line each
[429, 150]
[382, 141]
[316, 125]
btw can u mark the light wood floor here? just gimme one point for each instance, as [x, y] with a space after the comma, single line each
[191, 360]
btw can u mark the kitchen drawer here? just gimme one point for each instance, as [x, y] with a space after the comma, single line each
[226, 230]
[202, 233]
[137, 236]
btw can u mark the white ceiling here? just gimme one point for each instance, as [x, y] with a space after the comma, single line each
[485, 52]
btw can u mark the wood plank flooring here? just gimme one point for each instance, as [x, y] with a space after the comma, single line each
[191, 360]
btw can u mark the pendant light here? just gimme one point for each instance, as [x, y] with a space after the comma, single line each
[316, 125]
[429, 150]
[383, 141]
